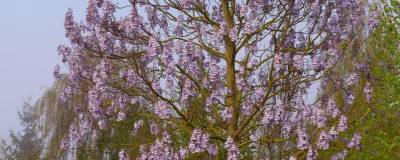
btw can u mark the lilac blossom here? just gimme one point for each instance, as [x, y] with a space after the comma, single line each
[199, 141]
[121, 116]
[342, 126]
[340, 156]
[323, 141]
[311, 154]
[298, 62]
[268, 117]
[354, 141]
[302, 139]
[137, 125]
[123, 155]
[92, 15]
[102, 124]
[350, 98]
[333, 133]
[351, 79]
[368, 92]
[226, 114]
[56, 72]
[318, 116]
[162, 110]
[232, 149]
[332, 108]
[64, 144]
[73, 32]
[154, 128]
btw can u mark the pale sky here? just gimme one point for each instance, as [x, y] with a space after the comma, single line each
[30, 31]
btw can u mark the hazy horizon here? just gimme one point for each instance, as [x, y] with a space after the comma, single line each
[30, 32]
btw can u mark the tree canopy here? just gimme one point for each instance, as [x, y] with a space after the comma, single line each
[218, 79]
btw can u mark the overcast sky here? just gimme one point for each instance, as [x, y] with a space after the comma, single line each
[30, 31]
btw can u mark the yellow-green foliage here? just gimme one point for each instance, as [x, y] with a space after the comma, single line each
[381, 124]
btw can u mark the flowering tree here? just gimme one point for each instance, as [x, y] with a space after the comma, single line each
[216, 79]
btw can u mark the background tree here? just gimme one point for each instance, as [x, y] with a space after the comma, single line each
[54, 120]
[27, 144]
[215, 79]
[380, 123]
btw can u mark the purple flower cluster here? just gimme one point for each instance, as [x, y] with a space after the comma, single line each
[355, 140]
[161, 109]
[226, 114]
[298, 62]
[200, 142]
[340, 156]
[302, 139]
[56, 72]
[368, 92]
[351, 79]
[161, 149]
[342, 126]
[232, 149]
[123, 155]
[323, 141]
[311, 154]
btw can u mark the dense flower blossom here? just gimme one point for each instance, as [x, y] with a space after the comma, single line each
[268, 117]
[298, 62]
[311, 154]
[226, 114]
[102, 124]
[355, 140]
[302, 139]
[230, 72]
[342, 126]
[56, 72]
[332, 108]
[318, 116]
[368, 92]
[73, 32]
[162, 110]
[373, 20]
[232, 149]
[64, 144]
[154, 128]
[247, 108]
[92, 15]
[212, 150]
[121, 116]
[181, 154]
[158, 150]
[351, 79]
[350, 99]
[214, 71]
[278, 60]
[340, 156]
[161, 149]
[137, 125]
[323, 141]
[233, 34]
[199, 141]
[123, 155]
[333, 133]
[154, 47]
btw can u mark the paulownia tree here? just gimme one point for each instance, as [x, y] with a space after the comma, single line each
[223, 79]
